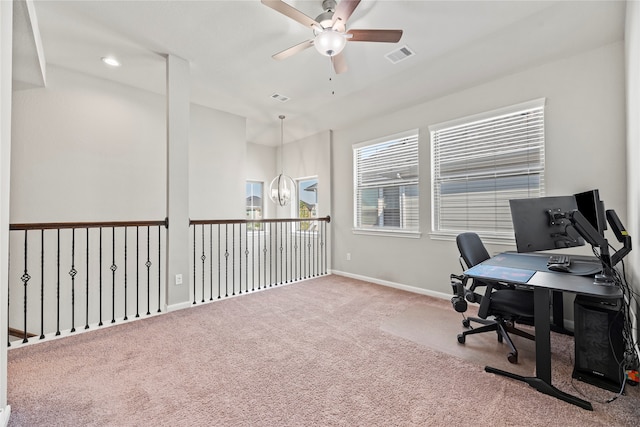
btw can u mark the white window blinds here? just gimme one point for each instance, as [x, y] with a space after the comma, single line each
[386, 184]
[479, 163]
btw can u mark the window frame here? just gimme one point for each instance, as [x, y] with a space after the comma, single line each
[506, 237]
[259, 226]
[296, 208]
[382, 230]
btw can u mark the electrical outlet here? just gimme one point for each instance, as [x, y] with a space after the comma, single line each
[348, 256]
[178, 279]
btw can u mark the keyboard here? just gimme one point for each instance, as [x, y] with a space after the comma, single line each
[559, 260]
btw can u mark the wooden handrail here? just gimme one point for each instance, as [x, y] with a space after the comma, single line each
[60, 225]
[249, 221]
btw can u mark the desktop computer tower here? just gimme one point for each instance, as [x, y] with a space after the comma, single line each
[599, 343]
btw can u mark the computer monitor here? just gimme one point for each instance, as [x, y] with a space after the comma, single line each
[590, 205]
[539, 224]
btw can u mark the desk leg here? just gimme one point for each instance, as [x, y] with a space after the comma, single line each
[542, 380]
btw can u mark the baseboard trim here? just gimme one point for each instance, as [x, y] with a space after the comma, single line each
[395, 285]
[179, 306]
[4, 415]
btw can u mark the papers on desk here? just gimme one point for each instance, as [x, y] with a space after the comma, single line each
[503, 274]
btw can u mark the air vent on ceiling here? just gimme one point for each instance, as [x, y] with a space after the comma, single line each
[279, 97]
[399, 54]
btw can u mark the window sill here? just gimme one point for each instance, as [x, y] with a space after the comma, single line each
[486, 238]
[388, 233]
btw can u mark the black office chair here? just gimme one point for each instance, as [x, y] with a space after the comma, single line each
[501, 306]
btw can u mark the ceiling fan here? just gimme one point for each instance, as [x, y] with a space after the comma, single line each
[330, 30]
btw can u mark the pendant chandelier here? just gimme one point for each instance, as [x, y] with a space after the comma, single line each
[282, 188]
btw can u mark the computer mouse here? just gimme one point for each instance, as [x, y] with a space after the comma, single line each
[561, 268]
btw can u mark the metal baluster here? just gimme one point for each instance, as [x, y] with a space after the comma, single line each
[125, 274]
[114, 267]
[73, 273]
[58, 286]
[281, 253]
[42, 284]
[100, 278]
[226, 260]
[203, 258]
[159, 266]
[194, 262]
[137, 271]
[271, 251]
[233, 260]
[264, 253]
[25, 281]
[259, 255]
[148, 265]
[210, 262]
[86, 325]
[239, 259]
[219, 271]
[253, 257]
[246, 257]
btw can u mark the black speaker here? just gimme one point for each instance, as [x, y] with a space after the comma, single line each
[599, 343]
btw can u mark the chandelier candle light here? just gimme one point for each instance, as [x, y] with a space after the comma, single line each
[282, 188]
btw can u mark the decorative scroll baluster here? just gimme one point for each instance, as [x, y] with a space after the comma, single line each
[73, 273]
[203, 258]
[210, 262]
[25, 281]
[114, 267]
[226, 260]
[270, 257]
[148, 265]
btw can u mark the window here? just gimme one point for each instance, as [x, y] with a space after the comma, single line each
[307, 200]
[386, 185]
[479, 163]
[254, 191]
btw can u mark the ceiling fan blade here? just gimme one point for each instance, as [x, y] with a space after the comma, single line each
[292, 12]
[344, 10]
[293, 50]
[385, 36]
[339, 63]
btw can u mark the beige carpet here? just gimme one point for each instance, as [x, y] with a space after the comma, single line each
[326, 352]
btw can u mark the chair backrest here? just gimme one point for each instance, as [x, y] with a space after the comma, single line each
[471, 249]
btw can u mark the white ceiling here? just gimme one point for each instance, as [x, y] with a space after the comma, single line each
[229, 46]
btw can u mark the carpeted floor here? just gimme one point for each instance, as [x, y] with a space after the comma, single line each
[326, 352]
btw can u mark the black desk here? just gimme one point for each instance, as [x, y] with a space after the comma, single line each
[580, 265]
[504, 267]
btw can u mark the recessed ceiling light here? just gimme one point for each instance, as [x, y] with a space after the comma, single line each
[110, 61]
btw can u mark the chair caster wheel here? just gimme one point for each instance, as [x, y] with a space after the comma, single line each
[466, 323]
[461, 338]
[512, 357]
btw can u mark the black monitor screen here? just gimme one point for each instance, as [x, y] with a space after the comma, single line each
[537, 225]
[590, 205]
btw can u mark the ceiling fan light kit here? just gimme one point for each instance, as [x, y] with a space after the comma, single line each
[330, 42]
[330, 30]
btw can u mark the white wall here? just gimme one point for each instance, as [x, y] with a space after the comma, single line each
[217, 166]
[585, 148]
[86, 149]
[632, 50]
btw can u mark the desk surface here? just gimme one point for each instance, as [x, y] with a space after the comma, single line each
[580, 265]
[530, 269]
